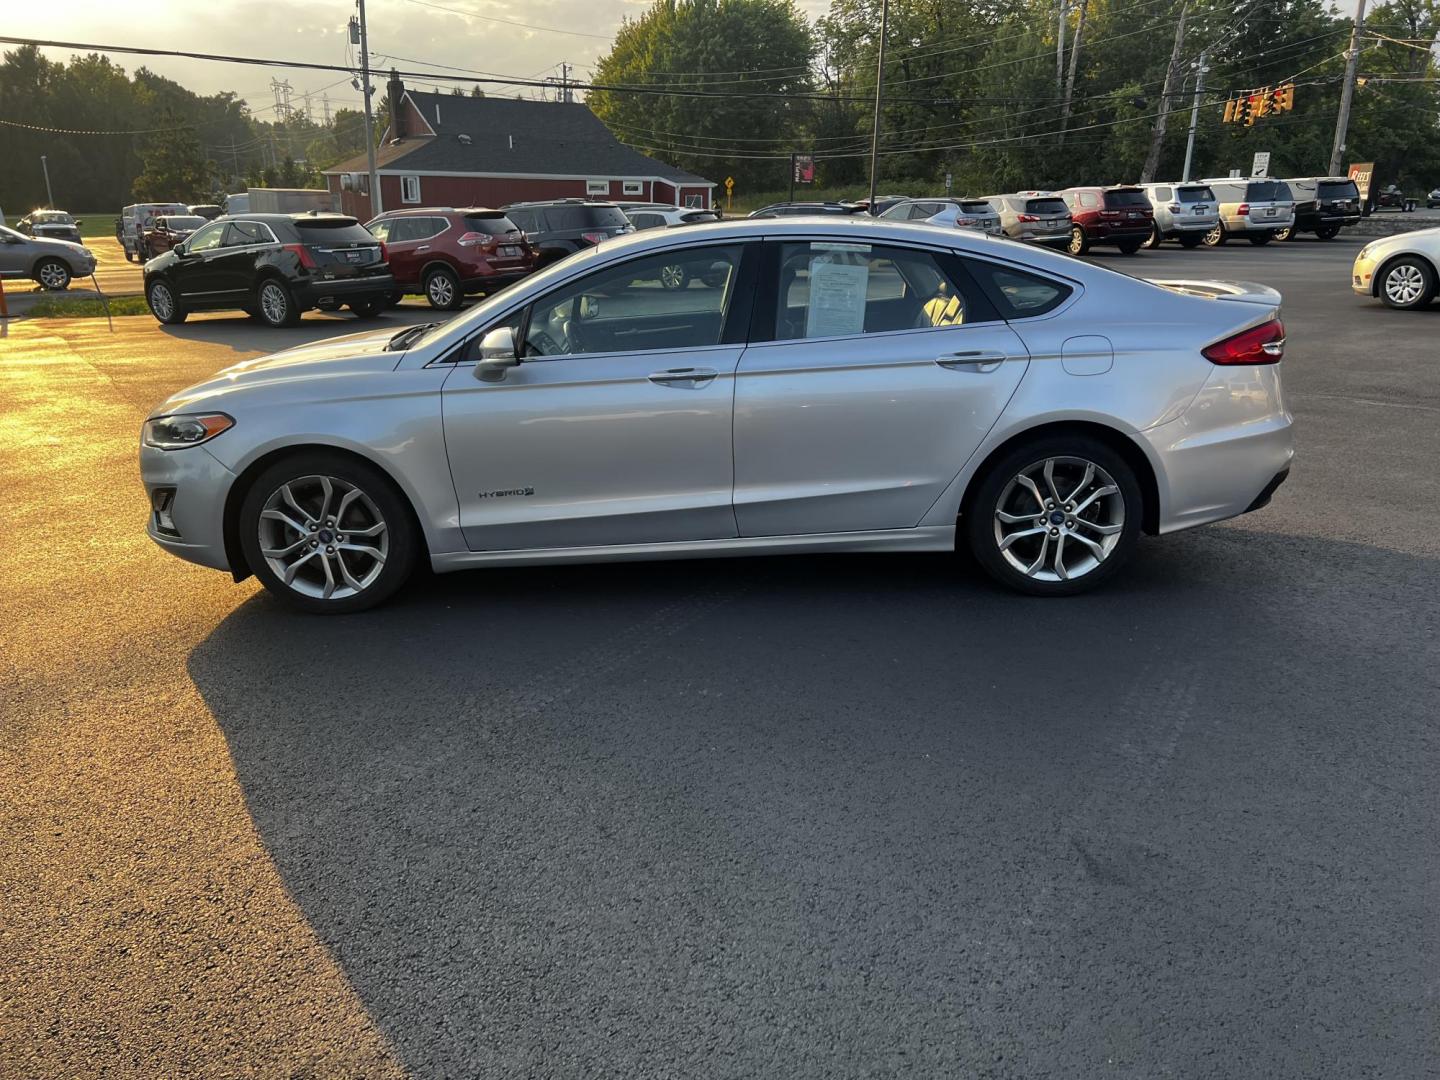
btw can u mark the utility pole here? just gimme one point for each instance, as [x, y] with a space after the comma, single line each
[377, 204]
[565, 83]
[1074, 65]
[1060, 51]
[879, 86]
[1157, 133]
[792, 180]
[1200, 71]
[234, 162]
[1347, 90]
[45, 168]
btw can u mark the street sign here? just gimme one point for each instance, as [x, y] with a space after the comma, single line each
[1363, 173]
[1261, 166]
[1234, 174]
[804, 168]
[729, 184]
[949, 179]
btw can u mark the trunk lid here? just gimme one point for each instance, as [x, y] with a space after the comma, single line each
[1245, 292]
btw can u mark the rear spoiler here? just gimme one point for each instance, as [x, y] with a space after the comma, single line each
[1246, 292]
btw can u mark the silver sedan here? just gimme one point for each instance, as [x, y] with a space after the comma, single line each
[822, 384]
[53, 263]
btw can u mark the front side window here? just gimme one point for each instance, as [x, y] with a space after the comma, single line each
[208, 238]
[410, 189]
[840, 289]
[671, 300]
[904, 211]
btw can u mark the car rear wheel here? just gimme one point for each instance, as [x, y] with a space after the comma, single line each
[1216, 237]
[1154, 240]
[1191, 240]
[276, 305]
[326, 533]
[367, 309]
[1078, 245]
[53, 274]
[1329, 232]
[1287, 233]
[1055, 517]
[1407, 283]
[442, 289]
[163, 304]
[1260, 239]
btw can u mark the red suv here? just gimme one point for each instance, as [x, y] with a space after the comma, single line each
[1121, 216]
[448, 254]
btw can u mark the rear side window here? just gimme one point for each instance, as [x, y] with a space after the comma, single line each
[699, 217]
[1201, 193]
[1046, 206]
[1131, 199]
[333, 231]
[1017, 293]
[524, 219]
[1163, 194]
[490, 224]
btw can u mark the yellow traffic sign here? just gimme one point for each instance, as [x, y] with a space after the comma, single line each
[729, 183]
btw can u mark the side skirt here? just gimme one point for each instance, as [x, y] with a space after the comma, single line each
[929, 538]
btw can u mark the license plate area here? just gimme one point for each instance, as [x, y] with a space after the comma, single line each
[509, 251]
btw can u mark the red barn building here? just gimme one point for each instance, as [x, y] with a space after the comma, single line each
[447, 150]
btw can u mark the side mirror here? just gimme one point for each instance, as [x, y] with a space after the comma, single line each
[79, 222]
[497, 354]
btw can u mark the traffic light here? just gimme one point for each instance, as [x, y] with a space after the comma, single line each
[1231, 108]
[1282, 99]
[1245, 110]
[1262, 102]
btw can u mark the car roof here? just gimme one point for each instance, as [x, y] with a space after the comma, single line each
[417, 211]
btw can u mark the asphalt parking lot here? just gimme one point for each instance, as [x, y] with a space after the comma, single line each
[840, 816]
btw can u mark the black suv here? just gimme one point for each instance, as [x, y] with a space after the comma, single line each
[559, 227]
[272, 266]
[1323, 204]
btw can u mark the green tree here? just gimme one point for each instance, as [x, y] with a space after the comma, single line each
[175, 165]
[734, 47]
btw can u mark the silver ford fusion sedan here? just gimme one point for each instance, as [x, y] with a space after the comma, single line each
[821, 384]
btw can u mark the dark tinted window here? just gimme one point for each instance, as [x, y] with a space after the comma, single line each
[978, 206]
[524, 219]
[1130, 199]
[1198, 193]
[1339, 189]
[698, 217]
[1050, 205]
[490, 224]
[1266, 191]
[246, 232]
[178, 222]
[585, 217]
[1019, 294]
[333, 231]
[406, 228]
[647, 221]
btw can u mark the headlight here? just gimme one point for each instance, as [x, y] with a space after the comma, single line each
[178, 432]
[87, 253]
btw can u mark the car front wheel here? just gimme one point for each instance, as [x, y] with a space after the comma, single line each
[1154, 240]
[1260, 239]
[53, 274]
[1190, 240]
[1407, 283]
[1329, 232]
[163, 304]
[367, 309]
[1287, 233]
[1055, 517]
[1130, 247]
[1078, 245]
[327, 534]
[276, 305]
[1216, 237]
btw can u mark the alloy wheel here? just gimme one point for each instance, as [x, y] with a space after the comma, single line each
[1404, 284]
[323, 537]
[274, 304]
[440, 290]
[162, 302]
[673, 277]
[53, 275]
[1216, 236]
[1059, 518]
[1077, 241]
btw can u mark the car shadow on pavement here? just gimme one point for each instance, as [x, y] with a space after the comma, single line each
[245, 334]
[843, 815]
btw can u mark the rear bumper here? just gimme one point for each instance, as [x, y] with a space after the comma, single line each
[200, 484]
[1194, 225]
[344, 290]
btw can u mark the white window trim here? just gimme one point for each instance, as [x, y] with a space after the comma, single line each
[597, 187]
[405, 182]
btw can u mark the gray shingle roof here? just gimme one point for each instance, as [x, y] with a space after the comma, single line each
[549, 138]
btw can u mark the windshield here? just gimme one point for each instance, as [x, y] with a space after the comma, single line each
[178, 222]
[1127, 198]
[1046, 206]
[1338, 189]
[53, 217]
[1195, 194]
[496, 224]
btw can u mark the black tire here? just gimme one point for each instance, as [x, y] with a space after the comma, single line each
[995, 484]
[1216, 237]
[1328, 232]
[1415, 274]
[367, 309]
[164, 304]
[276, 303]
[1287, 233]
[1130, 247]
[1079, 243]
[1191, 240]
[53, 274]
[401, 541]
[1260, 239]
[394, 299]
[1154, 240]
[129, 256]
[442, 289]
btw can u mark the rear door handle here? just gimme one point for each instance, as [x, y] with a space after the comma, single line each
[423, 247]
[684, 378]
[979, 362]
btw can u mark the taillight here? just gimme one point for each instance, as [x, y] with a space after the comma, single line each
[592, 237]
[1174, 208]
[962, 222]
[1026, 217]
[384, 252]
[1263, 344]
[475, 239]
[303, 254]
[1243, 209]
[1109, 213]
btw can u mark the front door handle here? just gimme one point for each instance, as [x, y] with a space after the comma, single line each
[980, 362]
[684, 378]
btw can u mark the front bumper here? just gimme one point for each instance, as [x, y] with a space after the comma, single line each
[1362, 274]
[197, 509]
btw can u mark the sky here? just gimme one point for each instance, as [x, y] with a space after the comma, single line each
[315, 31]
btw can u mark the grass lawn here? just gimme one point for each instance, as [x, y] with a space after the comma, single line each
[85, 307]
[96, 222]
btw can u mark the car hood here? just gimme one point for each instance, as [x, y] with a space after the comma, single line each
[351, 354]
[51, 243]
[1424, 237]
